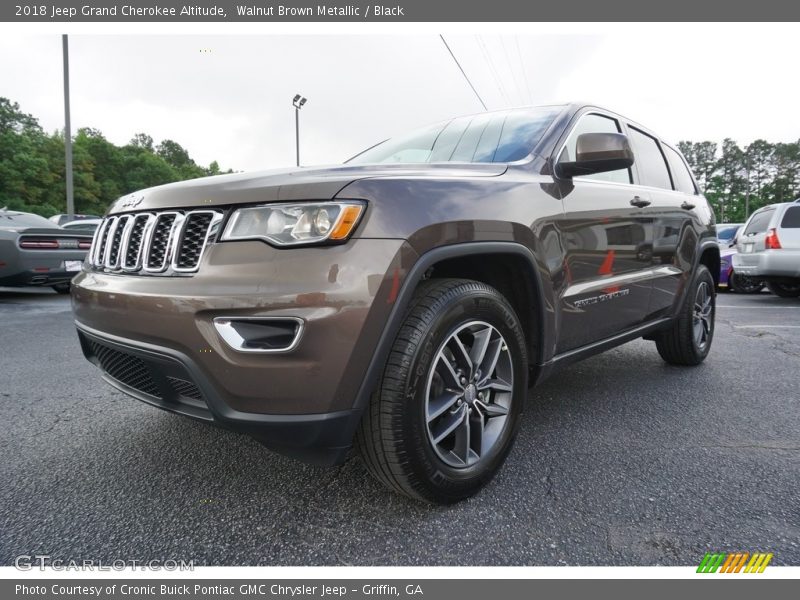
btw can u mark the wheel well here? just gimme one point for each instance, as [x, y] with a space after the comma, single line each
[710, 258]
[511, 275]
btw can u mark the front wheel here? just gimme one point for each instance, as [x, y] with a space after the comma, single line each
[785, 290]
[447, 408]
[688, 340]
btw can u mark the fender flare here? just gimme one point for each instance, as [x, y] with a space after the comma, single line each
[415, 275]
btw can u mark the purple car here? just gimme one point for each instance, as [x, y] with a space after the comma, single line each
[728, 280]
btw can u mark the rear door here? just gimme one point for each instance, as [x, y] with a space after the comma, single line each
[605, 237]
[674, 197]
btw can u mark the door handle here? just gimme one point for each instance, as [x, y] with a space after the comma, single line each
[687, 205]
[640, 202]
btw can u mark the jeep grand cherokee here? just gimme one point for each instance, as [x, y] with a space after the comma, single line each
[406, 300]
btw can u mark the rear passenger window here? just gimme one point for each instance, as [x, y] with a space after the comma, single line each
[680, 172]
[649, 160]
[594, 124]
[791, 218]
[759, 222]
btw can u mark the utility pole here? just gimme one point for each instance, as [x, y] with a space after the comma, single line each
[67, 130]
[298, 101]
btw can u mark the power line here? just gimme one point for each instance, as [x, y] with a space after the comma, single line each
[463, 73]
[524, 72]
[492, 69]
[511, 70]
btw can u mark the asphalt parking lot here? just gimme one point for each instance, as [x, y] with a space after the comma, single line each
[621, 460]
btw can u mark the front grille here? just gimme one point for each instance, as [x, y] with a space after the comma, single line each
[185, 388]
[154, 243]
[125, 368]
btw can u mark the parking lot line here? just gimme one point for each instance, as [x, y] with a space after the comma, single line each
[767, 326]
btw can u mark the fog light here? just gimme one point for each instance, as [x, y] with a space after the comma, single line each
[260, 334]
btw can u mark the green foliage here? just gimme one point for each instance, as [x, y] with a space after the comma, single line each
[32, 166]
[738, 180]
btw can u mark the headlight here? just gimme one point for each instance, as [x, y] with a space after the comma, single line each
[295, 224]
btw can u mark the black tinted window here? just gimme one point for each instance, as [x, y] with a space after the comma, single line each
[759, 222]
[680, 172]
[791, 218]
[594, 124]
[649, 161]
[491, 137]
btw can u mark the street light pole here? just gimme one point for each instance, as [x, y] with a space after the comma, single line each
[67, 130]
[298, 101]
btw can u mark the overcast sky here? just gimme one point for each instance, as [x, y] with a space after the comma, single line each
[228, 98]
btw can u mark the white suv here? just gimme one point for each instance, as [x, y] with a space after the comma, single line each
[769, 248]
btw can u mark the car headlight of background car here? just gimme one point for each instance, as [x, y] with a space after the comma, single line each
[294, 224]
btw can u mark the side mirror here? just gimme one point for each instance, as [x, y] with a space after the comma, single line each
[597, 153]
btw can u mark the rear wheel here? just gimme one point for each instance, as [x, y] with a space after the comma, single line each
[688, 340]
[447, 408]
[61, 288]
[785, 290]
[742, 284]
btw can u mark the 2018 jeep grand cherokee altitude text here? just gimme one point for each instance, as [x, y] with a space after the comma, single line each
[406, 300]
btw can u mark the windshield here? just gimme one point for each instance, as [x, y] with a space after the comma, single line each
[503, 136]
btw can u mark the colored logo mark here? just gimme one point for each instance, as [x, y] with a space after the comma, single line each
[734, 562]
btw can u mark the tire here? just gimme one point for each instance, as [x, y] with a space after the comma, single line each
[688, 341]
[61, 288]
[785, 290]
[396, 438]
[742, 284]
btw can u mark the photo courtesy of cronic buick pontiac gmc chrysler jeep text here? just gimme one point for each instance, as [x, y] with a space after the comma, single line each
[405, 301]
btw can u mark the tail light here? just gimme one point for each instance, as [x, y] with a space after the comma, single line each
[771, 242]
[38, 244]
[84, 245]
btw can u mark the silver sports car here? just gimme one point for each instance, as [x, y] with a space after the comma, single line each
[35, 251]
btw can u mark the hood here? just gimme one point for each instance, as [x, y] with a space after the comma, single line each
[321, 183]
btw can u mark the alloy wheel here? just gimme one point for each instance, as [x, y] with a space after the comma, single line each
[468, 395]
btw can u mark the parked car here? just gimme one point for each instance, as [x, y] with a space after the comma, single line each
[405, 300]
[36, 251]
[769, 248]
[728, 279]
[87, 225]
[63, 219]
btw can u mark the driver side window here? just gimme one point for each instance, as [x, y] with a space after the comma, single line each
[594, 124]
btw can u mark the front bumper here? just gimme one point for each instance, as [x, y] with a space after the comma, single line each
[768, 263]
[154, 338]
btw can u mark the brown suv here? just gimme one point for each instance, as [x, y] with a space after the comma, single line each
[406, 300]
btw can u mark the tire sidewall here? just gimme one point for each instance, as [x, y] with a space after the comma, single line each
[461, 308]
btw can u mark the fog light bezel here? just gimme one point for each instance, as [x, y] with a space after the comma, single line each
[234, 340]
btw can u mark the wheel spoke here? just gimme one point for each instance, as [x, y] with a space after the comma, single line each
[448, 374]
[448, 424]
[440, 404]
[491, 409]
[463, 434]
[480, 344]
[477, 425]
[492, 355]
[463, 354]
[497, 384]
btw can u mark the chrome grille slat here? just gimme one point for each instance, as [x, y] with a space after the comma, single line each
[154, 243]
